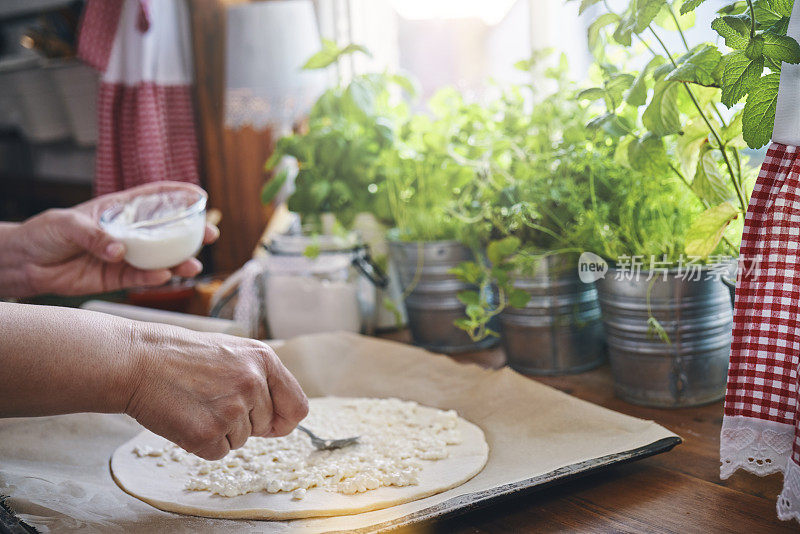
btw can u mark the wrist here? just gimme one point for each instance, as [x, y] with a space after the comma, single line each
[130, 363]
[15, 272]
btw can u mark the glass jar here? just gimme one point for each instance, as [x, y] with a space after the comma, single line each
[319, 283]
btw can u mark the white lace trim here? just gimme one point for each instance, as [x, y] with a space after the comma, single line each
[758, 446]
[789, 499]
[762, 447]
[245, 107]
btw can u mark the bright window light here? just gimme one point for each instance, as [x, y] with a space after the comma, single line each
[489, 11]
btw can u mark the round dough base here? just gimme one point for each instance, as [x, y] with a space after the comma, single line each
[163, 487]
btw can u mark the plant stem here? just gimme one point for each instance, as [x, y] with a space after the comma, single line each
[647, 45]
[734, 180]
[685, 180]
[541, 228]
[719, 116]
[723, 150]
[678, 25]
[736, 157]
[752, 19]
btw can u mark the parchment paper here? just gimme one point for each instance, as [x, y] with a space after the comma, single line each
[56, 468]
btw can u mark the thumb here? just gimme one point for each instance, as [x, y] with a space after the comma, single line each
[88, 235]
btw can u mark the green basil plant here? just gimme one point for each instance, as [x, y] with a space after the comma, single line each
[338, 153]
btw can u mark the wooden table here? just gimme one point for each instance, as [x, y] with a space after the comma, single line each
[678, 491]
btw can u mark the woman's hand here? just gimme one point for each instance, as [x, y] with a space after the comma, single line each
[208, 393]
[67, 252]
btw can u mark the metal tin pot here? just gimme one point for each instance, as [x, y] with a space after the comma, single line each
[730, 283]
[560, 331]
[696, 314]
[432, 304]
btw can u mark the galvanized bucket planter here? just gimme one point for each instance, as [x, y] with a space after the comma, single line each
[696, 314]
[560, 331]
[432, 304]
[730, 283]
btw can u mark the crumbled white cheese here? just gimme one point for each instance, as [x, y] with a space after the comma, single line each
[147, 451]
[396, 437]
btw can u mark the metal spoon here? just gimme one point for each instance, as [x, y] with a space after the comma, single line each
[327, 444]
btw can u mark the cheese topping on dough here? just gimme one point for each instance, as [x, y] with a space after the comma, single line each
[396, 438]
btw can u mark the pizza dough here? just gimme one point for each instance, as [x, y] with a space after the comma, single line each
[406, 452]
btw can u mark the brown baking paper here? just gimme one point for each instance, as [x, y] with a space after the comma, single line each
[56, 468]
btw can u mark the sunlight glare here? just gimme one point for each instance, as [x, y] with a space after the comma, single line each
[489, 11]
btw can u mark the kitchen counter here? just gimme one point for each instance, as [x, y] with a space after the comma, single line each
[678, 491]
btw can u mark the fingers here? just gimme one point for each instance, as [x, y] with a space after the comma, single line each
[211, 235]
[210, 393]
[88, 235]
[188, 269]
[227, 430]
[119, 276]
[213, 450]
[241, 430]
[262, 413]
[289, 403]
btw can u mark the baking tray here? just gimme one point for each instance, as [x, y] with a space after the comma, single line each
[484, 499]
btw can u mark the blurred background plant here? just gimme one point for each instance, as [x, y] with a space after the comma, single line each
[340, 149]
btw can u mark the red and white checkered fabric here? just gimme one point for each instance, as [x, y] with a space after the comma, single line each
[146, 126]
[760, 430]
[146, 134]
[99, 24]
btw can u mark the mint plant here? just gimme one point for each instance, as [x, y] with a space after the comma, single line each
[673, 109]
[494, 288]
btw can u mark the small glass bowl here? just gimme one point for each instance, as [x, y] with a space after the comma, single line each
[159, 230]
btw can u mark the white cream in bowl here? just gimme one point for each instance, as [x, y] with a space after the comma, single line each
[159, 230]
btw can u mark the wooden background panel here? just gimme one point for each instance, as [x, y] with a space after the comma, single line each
[245, 150]
[232, 161]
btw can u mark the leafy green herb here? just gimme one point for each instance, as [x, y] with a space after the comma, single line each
[331, 53]
[339, 153]
[755, 30]
[759, 112]
[546, 185]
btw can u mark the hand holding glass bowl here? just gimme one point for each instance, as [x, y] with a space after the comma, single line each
[69, 252]
[160, 229]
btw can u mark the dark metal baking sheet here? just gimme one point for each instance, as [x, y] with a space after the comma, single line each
[474, 501]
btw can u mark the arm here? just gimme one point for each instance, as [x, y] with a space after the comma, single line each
[206, 392]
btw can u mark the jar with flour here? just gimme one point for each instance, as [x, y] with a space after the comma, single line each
[319, 284]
